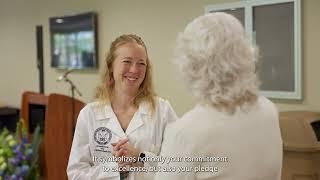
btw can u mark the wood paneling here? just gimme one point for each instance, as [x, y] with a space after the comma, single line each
[59, 129]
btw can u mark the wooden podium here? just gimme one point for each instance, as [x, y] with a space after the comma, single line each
[27, 113]
[55, 115]
[59, 129]
[33, 110]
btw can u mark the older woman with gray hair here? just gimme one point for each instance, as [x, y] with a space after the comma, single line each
[232, 133]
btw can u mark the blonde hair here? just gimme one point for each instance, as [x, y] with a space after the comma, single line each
[104, 91]
[218, 62]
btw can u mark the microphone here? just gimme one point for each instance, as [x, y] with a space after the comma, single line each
[64, 75]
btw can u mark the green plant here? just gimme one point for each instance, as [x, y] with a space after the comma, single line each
[18, 156]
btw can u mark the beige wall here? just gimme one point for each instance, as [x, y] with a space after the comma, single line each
[158, 22]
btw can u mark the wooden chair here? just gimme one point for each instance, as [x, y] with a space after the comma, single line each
[59, 129]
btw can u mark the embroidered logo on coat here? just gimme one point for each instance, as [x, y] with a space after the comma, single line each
[102, 135]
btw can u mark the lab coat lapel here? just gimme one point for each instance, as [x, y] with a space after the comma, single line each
[138, 118]
[113, 123]
[115, 127]
[135, 123]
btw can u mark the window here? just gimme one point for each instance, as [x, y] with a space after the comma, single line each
[274, 25]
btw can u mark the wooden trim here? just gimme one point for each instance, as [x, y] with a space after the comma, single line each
[31, 98]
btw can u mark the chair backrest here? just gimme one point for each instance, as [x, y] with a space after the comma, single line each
[58, 136]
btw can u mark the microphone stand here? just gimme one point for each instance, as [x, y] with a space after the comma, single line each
[73, 89]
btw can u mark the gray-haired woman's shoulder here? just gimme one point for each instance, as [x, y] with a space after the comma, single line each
[161, 100]
[162, 103]
[267, 104]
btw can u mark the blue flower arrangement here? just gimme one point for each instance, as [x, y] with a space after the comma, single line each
[19, 156]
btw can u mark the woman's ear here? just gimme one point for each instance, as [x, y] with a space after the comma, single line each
[111, 79]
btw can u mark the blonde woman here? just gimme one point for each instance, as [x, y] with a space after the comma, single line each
[126, 124]
[232, 133]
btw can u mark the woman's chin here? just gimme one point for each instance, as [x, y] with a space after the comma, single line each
[133, 87]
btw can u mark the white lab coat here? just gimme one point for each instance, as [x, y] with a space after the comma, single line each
[246, 145]
[98, 127]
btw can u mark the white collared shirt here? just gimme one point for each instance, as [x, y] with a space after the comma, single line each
[98, 127]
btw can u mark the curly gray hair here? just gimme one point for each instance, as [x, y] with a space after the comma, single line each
[218, 62]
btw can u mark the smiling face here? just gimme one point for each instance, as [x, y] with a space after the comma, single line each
[129, 67]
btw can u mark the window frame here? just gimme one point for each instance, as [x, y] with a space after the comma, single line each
[248, 6]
